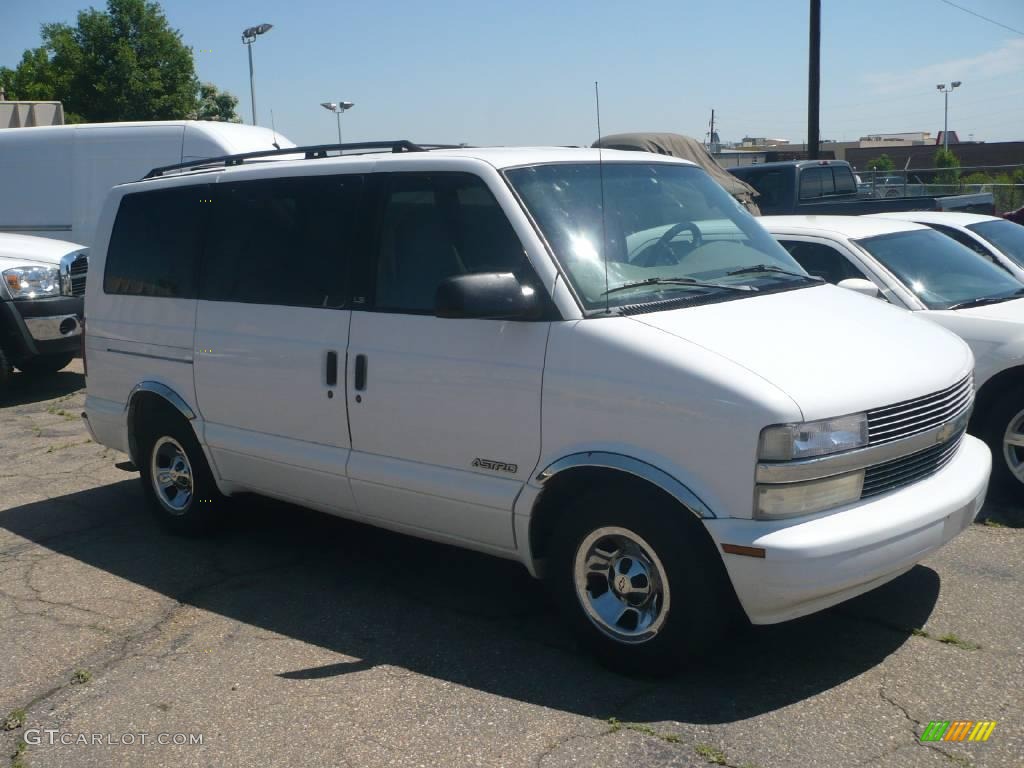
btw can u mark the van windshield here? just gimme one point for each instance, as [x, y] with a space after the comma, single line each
[669, 232]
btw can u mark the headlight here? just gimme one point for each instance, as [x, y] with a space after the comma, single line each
[32, 282]
[793, 499]
[784, 442]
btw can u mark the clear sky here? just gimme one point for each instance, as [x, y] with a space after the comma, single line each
[522, 73]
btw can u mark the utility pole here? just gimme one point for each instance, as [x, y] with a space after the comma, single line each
[711, 134]
[814, 80]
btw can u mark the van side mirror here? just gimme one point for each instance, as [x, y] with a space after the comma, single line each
[860, 285]
[487, 295]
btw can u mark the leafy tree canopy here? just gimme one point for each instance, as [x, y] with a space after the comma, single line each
[124, 63]
[881, 163]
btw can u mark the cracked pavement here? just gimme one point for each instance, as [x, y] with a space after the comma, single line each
[296, 638]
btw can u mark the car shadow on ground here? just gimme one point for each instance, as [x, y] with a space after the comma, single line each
[24, 390]
[382, 599]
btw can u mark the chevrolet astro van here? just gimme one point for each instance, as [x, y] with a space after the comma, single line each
[592, 362]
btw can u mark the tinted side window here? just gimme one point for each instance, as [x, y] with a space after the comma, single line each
[435, 226]
[816, 182]
[771, 185]
[155, 242]
[844, 181]
[822, 261]
[281, 241]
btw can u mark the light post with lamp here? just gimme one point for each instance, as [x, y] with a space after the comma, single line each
[945, 91]
[338, 108]
[249, 36]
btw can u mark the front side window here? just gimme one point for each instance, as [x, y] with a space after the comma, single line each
[435, 226]
[1004, 235]
[154, 245]
[668, 232]
[822, 261]
[942, 273]
[285, 241]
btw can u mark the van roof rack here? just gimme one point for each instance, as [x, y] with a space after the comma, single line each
[311, 153]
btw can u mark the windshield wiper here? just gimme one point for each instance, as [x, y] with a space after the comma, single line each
[772, 268]
[683, 281]
[981, 301]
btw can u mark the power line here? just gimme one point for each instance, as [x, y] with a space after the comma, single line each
[986, 18]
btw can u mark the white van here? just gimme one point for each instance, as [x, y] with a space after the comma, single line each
[54, 179]
[656, 415]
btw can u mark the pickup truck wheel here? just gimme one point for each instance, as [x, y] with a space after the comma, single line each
[638, 581]
[176, 479]
[1004, 433]
[45, 364]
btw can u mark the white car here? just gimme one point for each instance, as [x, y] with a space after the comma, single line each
[456, 344]
[996, 239]
[917, 268]
[41, 286]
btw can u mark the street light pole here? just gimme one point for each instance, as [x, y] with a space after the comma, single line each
[338, 108]
[249, 36]
[945, 91]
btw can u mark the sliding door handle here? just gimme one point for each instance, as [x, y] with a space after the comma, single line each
[332, 369]
[360, 382]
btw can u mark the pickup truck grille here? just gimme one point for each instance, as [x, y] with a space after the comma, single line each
[906, 470]
[912, 417]
[79, 269]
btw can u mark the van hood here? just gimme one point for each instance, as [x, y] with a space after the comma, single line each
[831, 350]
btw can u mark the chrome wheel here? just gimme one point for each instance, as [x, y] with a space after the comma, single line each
[621, 585]
[1013, 446]
[171, 475]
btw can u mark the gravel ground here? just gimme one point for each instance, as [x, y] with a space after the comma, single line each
[294, 638]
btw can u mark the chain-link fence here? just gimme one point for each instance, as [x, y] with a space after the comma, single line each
[1005, 182]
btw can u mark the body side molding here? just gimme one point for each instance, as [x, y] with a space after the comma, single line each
[635, 467]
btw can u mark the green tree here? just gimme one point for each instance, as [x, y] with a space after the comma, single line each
[122, 63]
[216, 105]
[881, 163]
[946, 160]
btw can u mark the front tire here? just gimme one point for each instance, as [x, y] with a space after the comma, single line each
[45, 365]
[1004, 434]
[176, 479]
[639, 580]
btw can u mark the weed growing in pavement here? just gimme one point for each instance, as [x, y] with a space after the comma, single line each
[81, 677]
[16, 719]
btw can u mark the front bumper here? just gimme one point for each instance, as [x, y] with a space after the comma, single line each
[33, 327]
[815, 562]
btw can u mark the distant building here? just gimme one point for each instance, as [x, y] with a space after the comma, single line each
[27, 114]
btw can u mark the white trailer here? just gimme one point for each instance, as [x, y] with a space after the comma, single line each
[54, 179]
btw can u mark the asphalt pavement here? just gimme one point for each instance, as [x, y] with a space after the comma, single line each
[295, 638]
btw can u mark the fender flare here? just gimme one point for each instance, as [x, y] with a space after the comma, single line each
[632, 466]
[162, 391]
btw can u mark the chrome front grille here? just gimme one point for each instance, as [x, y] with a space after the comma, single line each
[911, 417]
[78, 270]
[906, 470]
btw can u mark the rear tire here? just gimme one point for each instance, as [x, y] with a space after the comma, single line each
[639, 580]
[45, 365]
[1004, 434]
[176, 479]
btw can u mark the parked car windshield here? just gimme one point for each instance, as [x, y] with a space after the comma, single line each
[1004, 235]
[662, 222]
[941, 272]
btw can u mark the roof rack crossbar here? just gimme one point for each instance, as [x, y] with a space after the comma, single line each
[311, 152]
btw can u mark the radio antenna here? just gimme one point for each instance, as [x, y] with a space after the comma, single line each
[274, 130]
[600, 175]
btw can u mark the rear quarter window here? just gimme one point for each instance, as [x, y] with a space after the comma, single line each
[154, 244]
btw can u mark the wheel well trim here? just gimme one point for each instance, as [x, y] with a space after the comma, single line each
[633, 466]
[162, 391]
